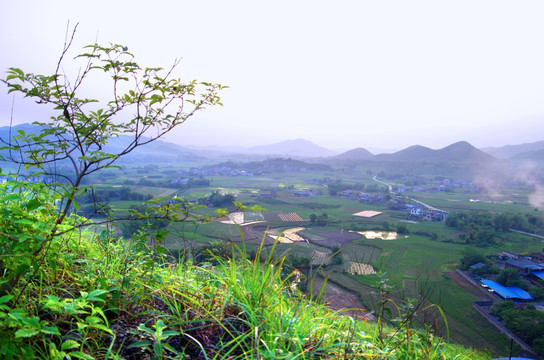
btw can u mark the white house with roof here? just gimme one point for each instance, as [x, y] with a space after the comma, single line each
[416, 211]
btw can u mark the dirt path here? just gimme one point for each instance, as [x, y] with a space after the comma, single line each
[526, 233]
[343, 301]
[417, 201]
[384, 183]
[480, 293]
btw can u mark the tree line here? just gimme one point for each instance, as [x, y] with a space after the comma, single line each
[482, 229]
[337, 186]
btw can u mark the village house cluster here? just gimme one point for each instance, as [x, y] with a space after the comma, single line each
[419, 212]
[442, 186]
[530, 268]
[215, 171]
[270, 166]
[362, 196]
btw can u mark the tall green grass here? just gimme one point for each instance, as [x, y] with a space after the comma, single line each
[109, 298]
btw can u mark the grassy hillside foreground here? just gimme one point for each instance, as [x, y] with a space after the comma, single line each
[77, 292]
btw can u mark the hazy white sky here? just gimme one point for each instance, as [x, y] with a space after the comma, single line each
[343, 74]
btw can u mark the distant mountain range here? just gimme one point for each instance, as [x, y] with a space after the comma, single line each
[158, 151]
[511, 151]
[300, 148]
[536, 156]
[459, 152]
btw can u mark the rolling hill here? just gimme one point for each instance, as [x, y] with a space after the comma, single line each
[536, 156]
[412, 153]
[461, 151]
[158, 151]
[298, 147]
[355, 154]
[510, 151]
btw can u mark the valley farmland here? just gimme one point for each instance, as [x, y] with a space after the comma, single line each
[350, 227]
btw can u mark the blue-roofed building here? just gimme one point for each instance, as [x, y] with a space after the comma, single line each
[507, 293]
[524, 266]
[478, 265]
[539, 275]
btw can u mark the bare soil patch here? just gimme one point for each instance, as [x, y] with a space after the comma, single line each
[249, 234]
[272, 217]
[287, 236]
[480, 293]
[384, 235]
[348, 304]
[367, 213]
[234, 218]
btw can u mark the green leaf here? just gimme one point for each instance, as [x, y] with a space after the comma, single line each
[26, 332]
[33, 204]
[4, 299]
[93, 320]
[81, 355]
[169, 333]
[51, 330]
[142, 343]
[25, 222]
[104, 328]
[157, 348]
[142, 327]
[170, 348]
[69, 344]
[155, 99]
[14, 87]
[17, 314]
[95, 295]
[221, 212]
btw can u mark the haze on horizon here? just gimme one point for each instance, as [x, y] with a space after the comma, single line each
[342, 75]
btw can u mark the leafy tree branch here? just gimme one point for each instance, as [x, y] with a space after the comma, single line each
[144, 103]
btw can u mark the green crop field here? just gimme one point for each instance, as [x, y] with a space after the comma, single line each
[419, 259]
[416, 264]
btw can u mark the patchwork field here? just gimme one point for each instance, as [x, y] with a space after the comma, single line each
[278, 216]
[288, 236]
[355, 268]
[320, 258]
[420, 256]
